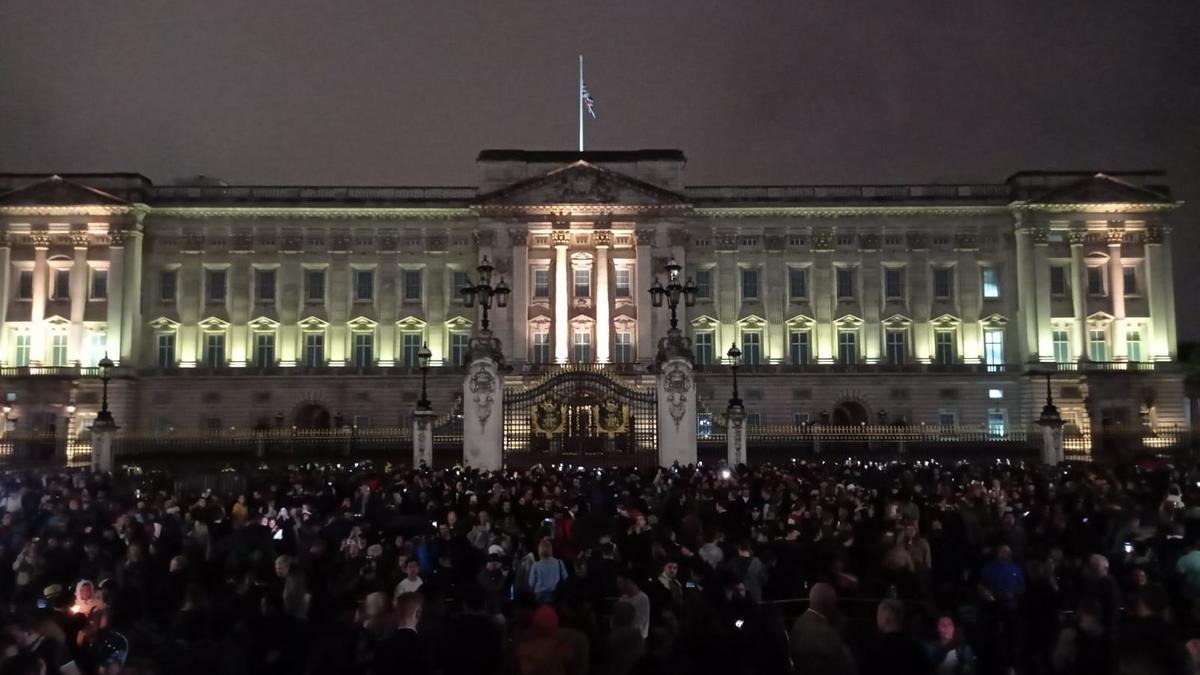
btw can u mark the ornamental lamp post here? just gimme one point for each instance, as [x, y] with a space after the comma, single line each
[735, 414]
[485, 292]
[673, 292]
[734, 355]
[104, 418]
[423, 357]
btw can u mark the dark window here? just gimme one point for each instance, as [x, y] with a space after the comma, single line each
[893, 282]
[797, 283]
[704, 284]
[214, 286]
[1095, 280]
[99, 284]
[1058, 280]
[845, 283]
[364, 285]
[943, 282]
[1131, 280]
[62, 284]
[314, 285]
[749, 284]
[25, 285]
[412, 285]
[264, 285]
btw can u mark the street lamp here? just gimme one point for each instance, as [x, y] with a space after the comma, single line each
[734, 355]
[423, 357]
[485, 292]
[104, 418]
[673, 292]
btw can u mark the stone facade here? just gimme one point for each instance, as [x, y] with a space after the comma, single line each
[238, 306]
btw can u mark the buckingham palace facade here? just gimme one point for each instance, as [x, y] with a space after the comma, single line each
[241, 306]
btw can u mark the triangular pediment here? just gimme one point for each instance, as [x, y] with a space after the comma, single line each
[313, 323]
[945, 321]
[213, 323]
[263, 324]
[581, 183]
[54, 191]
[897, 321]
[163, 323]
[1101, 189]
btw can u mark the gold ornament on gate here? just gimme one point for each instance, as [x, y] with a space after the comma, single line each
[612, 418]
[548, 418]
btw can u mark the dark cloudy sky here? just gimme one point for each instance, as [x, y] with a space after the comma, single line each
[391, 92]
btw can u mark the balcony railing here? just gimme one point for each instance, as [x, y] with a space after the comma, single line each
[300, 194]
[51, 371]
[866, 368]
[849, 193]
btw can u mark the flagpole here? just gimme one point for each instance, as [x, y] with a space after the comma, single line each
[579, 95]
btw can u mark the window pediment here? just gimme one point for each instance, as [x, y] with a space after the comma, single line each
[162, 323]
[801, 322]
[214, 325]
[897, 321]
[263, 324]
[407, 323]
[313, 323]
[458, 323]
[752, 321]
[994, 321]
[704, 321]
[946, 322]
[848, 321]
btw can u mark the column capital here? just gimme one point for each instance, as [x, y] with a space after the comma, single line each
[117, 238]
[1077, 235]
[80, 240]
[518, 236]
[1157, 232]
[41, 240]
[1115, 234]
[645, 237]
[603, 238]
[560, 238]
[1040, 235]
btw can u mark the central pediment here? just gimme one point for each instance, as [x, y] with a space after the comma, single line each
[582, 183]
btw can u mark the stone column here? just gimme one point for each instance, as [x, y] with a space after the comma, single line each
[79, 295]
[5, 292]
[116, 295]
[641, 297]
[1077, 236]
[823, 292]
[422, 434]
[1159, 287]
[521, 290]
[735, 436]
[1042, 327]
[1028, 301]
[562, 294]
[676, 409]
[131, 310]
[37, 316]
[483, 407]
[1116, 290]
[102, 446]
[603, 316]
[872, 299]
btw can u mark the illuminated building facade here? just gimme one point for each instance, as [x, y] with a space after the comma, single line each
[244, 306]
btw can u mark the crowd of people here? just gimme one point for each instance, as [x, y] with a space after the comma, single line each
[833, 567]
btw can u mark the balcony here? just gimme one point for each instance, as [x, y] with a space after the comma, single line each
[53, 371]
[864, 368]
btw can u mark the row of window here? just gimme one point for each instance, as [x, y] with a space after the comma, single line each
[362, 284]
[60, 284]
[312, 353]
[1097, 280]
[582, 286]
[896, 347]
[997, 421]
[846, 282]
[97, 345]
[542, 350]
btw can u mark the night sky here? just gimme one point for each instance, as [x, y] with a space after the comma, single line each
[390, 92]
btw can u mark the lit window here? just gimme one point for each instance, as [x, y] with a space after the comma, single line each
[1062, 346]
[58, 349]
[847, 347]
[362, 350]
[943, 347]
[624, 347]
[621, 286]
[799, 347]
[751, 348]
[1133, 345]
[541, 347]
[1097, 345]
[991, 282]
[896, 346]
[166, 350]
[582, 346]
[21, 350]
[997, 422]
[583, 283]
[995, 393]
[410, 348]
[460, 347]
[214, 350]
[314, 350]
[264, 350]
[749, 284]
[97, 347]
[993, 347]
[704, 347]
[541, 283]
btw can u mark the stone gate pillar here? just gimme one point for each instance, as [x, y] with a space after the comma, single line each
[735, 435]
[483, 405]
[102, 444]
[1051, 424]
[422, 434]
[676, 400]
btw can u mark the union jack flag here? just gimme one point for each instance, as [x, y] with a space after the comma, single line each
[587, 100]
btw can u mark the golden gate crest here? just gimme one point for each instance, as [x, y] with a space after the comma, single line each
[548, 418]
[612, 418]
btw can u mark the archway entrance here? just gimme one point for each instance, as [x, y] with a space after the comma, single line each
[849, 413]
[312, 416]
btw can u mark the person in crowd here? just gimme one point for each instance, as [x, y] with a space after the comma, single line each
[894, 651]
[750, 570]
[543, 652]
[632, 595]
[816, 644]
[547, 573]
[948, 652]
[624, 646]
[412, 582]
[405, 651]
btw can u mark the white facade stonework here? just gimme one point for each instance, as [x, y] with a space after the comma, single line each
[239, 306]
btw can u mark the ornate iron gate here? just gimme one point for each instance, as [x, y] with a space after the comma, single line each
[580, 415]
